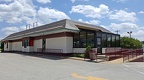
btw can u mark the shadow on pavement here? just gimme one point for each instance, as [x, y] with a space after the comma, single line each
[41, 55]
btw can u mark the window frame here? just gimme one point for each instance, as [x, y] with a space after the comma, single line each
[79, 46]
[103, 45]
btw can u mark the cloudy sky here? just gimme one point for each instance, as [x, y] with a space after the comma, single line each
[121, 15]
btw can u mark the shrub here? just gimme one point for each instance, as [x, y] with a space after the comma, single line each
[81, 55]
[88, 48]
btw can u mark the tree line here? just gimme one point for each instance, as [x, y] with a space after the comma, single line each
[127, 42]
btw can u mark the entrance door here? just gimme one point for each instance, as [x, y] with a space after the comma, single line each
[43, 45]
[99, 46]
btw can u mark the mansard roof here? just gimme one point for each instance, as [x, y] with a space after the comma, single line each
[70, 25]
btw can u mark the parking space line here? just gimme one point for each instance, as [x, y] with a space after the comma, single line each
[86, 77]
[133, 69]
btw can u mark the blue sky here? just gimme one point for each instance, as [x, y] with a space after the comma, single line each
[122, 15]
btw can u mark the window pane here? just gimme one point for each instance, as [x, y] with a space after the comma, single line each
[90, 39]
[98, 34]
[76, 40]
[113, 41]
[117, 41]
[83, 38]
[98, 41]
[104, 42]
[25, 43]
[108, 40]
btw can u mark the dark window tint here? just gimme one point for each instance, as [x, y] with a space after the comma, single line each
[90, 38]
[108, 40]
[99, 34]
[104, 40]
[25, 43]
[117, 41]
[76, 40]
[83, 38]
[113, 40]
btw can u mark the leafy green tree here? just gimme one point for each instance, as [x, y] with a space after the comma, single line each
[127, 42]
[142, 42]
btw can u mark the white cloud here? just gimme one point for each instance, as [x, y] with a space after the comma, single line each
[137, 32]
[9, 30]
[24, 10]
[5, 0]
[95, 22]
[123, 26]
[78, 0]
[122, 1]
[14, 11]
[122, 15]
[47, 15]
[14, 20]
[72, 1]
[91, 11]
[44, 1]
[15, 6]
[22, 28]
[141, 12]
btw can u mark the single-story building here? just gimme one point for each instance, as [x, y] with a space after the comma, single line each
[65, 36]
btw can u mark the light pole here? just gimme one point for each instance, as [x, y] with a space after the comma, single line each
[130, 33]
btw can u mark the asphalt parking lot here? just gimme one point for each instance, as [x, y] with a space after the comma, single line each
[45, 67]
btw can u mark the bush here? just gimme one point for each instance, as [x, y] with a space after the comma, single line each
[127, 42]
[81, 55]
[88, 48]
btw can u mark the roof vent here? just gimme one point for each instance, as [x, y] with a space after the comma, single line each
[29, 26]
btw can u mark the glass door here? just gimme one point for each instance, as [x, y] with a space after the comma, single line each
[99, 45]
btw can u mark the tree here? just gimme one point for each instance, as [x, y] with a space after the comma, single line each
[142, 42]
[127, 42]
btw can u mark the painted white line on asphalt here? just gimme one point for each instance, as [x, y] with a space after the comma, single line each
[133, 69]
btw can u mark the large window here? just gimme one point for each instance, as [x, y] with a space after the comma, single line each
[113, 41]
[99, 34]
[108, 40]
[104, 40]
[76, 40]
[83, 38]
[90, 39]
[117, 41]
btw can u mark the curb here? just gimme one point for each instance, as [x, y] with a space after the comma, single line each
[75, 58]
